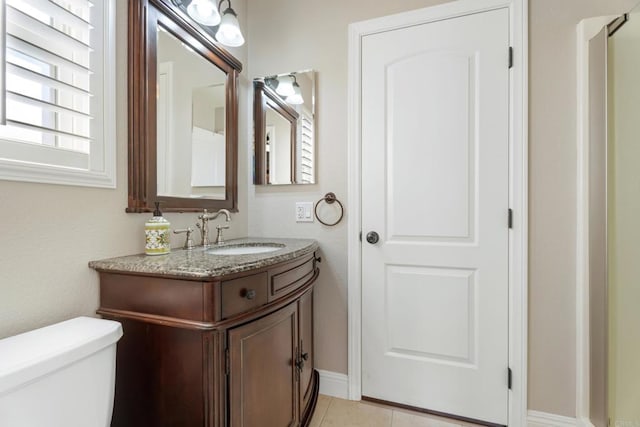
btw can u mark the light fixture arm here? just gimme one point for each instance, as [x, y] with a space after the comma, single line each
[228, 2]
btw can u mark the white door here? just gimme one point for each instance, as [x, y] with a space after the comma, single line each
[435, 115]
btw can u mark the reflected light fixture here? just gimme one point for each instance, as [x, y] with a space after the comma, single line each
[229, 33]
[271, 82]
[204, 12]
[285, 86]
[296, 98]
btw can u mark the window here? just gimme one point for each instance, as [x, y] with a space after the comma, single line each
[59, 85]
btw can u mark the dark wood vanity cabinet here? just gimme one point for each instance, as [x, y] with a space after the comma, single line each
[233, 351]
[264, 384]
[263, 377]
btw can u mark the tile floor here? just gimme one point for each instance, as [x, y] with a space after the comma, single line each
[334, 412]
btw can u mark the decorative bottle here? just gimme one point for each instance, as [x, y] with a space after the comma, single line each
[156, 231]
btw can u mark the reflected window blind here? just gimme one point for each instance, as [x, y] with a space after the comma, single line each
[48, 80]
[306, 150]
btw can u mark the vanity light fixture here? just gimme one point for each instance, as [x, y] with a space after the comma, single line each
[229, 33]
[285, 86]
[296, 98]
[205, 13]
[271, 82]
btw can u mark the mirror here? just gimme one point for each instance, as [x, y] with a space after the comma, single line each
[284, 129]
[615, 325]
[190, 141]
[182, 113]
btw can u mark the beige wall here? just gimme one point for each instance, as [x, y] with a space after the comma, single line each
[48, 233]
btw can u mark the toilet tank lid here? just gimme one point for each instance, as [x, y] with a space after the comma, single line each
[32, 354]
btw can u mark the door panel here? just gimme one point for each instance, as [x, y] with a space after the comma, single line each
[444, 76]
[441, 301]
[435, 111]
[262, 381]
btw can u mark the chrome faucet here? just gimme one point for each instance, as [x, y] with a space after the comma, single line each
[204, 226]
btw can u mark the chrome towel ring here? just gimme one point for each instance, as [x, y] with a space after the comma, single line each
[329, 199]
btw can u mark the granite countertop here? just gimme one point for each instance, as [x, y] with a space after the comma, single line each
[198, 264]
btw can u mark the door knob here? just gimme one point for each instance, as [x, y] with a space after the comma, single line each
[372, 237]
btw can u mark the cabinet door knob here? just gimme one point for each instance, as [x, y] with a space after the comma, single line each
[305, 356]
[250, 294]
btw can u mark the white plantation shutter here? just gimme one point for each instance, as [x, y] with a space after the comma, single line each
[55, 84]
[307, 151]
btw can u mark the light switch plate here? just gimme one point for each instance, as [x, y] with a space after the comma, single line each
[304, 212]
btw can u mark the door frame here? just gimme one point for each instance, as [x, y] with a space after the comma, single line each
[518, 185]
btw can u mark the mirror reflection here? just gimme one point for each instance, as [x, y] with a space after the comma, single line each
[279, 136]
[615, 321]
[191, 121]
[284, 120]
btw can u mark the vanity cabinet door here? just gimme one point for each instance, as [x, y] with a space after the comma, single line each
[262, 373]
[306, 356]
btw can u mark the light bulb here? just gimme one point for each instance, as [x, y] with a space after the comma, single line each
[229, 33]
[296, 98]
[204, 12]
[285, 86]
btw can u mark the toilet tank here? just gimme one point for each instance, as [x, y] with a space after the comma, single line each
[61, 375]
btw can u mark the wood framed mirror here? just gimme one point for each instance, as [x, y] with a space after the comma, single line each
[183, 113]
[275, 136]
[284, 129]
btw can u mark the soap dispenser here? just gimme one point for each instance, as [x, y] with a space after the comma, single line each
[156, 231]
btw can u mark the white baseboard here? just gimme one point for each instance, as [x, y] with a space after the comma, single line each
[584, 422]
[334, 384]
[543, 419]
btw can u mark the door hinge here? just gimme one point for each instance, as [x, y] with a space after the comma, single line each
[227, 362]
[509, 378]
[510, 57]
[510, 218]
[360, 236]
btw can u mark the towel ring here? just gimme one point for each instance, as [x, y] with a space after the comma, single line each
[329, 198]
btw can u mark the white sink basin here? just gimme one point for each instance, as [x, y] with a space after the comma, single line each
[245, 249]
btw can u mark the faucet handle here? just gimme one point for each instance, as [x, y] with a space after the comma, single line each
[219, 238]
[188, 244]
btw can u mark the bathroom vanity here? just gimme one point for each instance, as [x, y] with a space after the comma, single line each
[214, 337]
